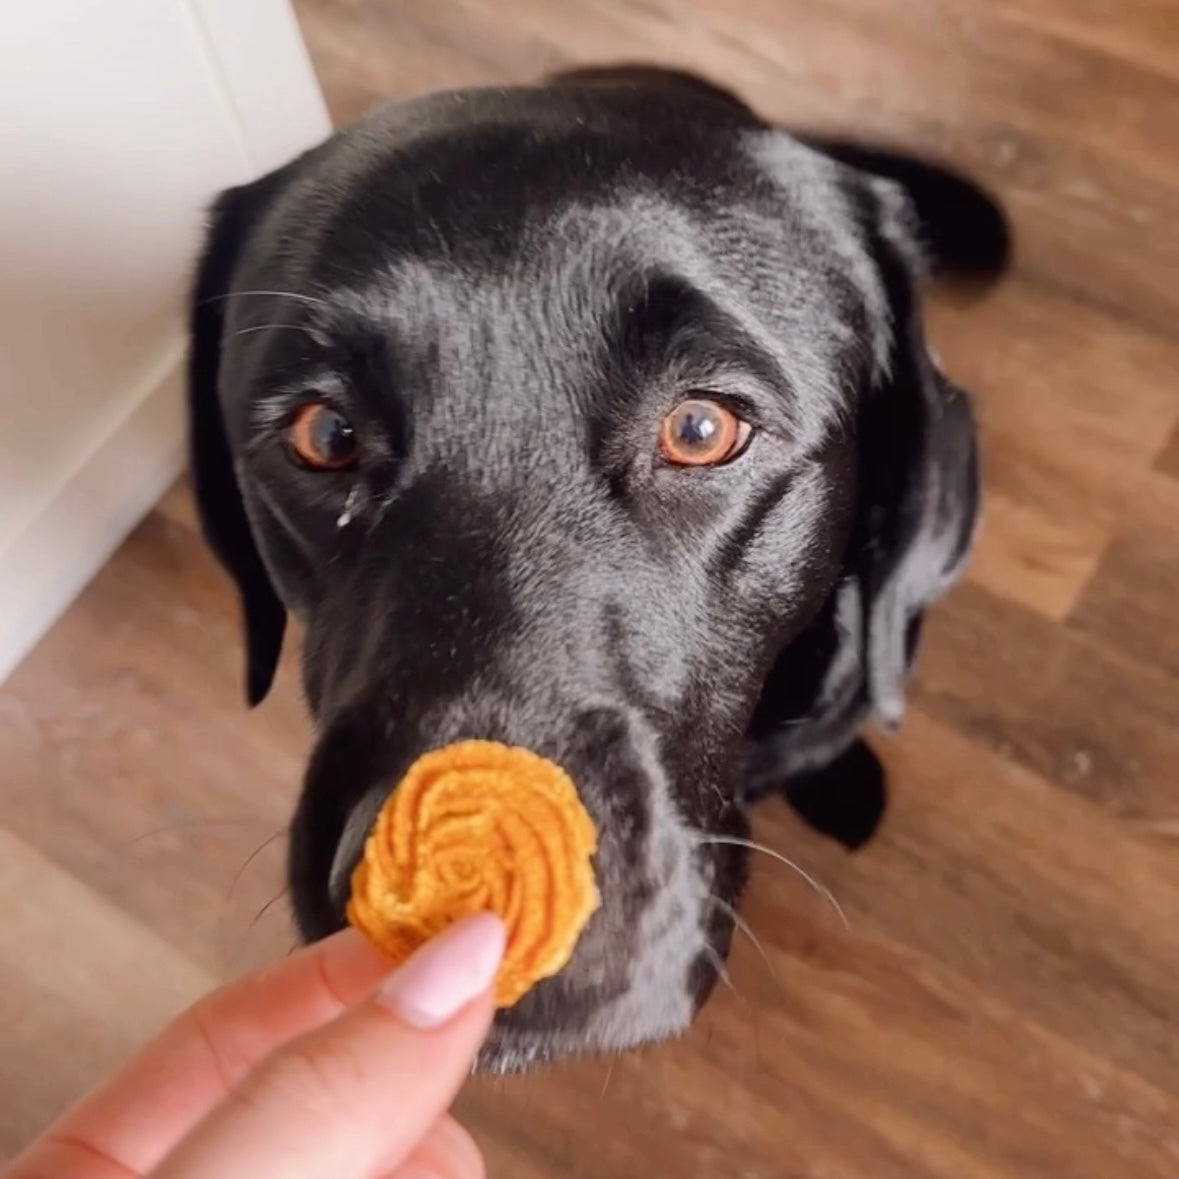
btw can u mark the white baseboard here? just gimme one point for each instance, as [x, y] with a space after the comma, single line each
[89, 516]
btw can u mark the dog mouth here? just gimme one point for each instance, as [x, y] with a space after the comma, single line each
[644, 965]
[648, 957]
[614, 998]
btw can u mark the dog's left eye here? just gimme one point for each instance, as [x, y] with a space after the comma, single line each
[322, 438]
[702, 433]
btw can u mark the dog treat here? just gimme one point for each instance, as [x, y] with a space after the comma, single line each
[480, 826]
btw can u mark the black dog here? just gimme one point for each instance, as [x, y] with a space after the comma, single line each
[594, 417]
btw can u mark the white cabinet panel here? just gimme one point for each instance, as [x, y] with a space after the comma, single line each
[120, 120]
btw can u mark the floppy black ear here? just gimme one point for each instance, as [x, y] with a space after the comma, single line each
[219, 498]
[918, 491]
[962, 228]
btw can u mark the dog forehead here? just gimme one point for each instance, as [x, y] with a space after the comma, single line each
[480, 179]
[476, 176]
[542, 313]
[498, 234]
[463, 172]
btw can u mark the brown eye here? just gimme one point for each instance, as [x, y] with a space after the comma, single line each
[700, 433]
[322, 438]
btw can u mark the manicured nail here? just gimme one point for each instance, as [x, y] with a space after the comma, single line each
[446, 973]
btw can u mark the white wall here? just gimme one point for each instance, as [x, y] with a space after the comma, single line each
[119, 119]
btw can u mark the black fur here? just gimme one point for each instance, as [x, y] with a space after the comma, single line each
[506, 290]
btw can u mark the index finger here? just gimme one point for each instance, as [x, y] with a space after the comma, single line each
[358, 1096]
[131, 1123]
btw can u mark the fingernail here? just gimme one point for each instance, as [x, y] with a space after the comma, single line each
[446, 973]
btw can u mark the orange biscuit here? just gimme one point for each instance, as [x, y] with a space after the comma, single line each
[480, 826]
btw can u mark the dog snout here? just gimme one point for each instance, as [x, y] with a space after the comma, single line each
[350, 847]
[609, 756]
[647, 957]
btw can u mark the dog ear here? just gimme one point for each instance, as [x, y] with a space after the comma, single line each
[918, 486]
[962, 229]
[218, 495]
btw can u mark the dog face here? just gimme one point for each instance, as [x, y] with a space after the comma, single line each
[593, 418]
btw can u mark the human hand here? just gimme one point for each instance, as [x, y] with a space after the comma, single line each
[325, 1067]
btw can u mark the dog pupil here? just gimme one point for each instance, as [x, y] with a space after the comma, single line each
[331, 435]
[696, 429]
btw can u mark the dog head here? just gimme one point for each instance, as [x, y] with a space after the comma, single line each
[595, 418]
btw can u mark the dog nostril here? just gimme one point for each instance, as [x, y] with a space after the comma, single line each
[351, 845]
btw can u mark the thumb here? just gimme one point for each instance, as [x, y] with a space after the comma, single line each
[354, 1098]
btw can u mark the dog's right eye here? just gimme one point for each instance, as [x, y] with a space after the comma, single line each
[702, 433]
[322, 438]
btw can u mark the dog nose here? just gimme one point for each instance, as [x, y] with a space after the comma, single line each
[351, 845]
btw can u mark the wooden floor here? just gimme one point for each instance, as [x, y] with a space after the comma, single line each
[1006, 1001]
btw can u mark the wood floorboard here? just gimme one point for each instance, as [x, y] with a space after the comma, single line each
[1005, 1001]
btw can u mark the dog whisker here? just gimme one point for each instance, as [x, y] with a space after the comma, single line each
[280, 514]
[715, 789]
[722, 971]
[266, 327]
[311, 299]
[189, 824]
[818, 886]
[251, 858]
[278, 896]
[745, 928]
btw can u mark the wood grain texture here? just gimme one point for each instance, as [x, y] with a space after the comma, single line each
[1005, 1004]
[1168, 460]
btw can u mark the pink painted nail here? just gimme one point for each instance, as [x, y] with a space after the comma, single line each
[446, 973]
